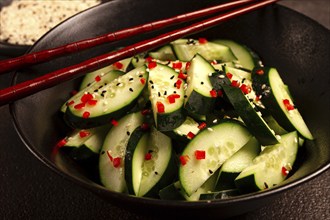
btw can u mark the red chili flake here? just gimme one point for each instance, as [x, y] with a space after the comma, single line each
[84, 133]
[288, 105]
[171, 98]
[109, 155]
[92, 102]
[213, 93]
[148, 59]
[118, 65]
[202, 125]
[148, 156]
[178, 83]
[61, 143]
[188, 66]
[114, 122]
[184, 159]
[235, 83]
[86, 115]
[143, 81]
[86, 97]
[260, 72]
[152, 65]
[160, 107]
[182, 76]
[190, 135]
[73, 92]
[202, 40]
[145, 126]
[70, 103]
[229, 75]
[214, 62]
[98, 78]
[245, 89]
[146, 112]
[220, 93]
[80, 106]
[116, 162]
[177, 65]
[200, 154]
[285, 171]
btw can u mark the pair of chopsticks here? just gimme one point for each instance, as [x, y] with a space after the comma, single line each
[51, 79]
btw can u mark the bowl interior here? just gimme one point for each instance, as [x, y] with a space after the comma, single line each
[297, 46]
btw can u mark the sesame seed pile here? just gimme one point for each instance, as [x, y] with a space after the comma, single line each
[25, 21]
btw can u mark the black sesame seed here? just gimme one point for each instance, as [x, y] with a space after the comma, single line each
[117, 84]
[202, 83]
[156, 172]
[130, 89]
[96, 90]
[131, 79]
[151, 82]
[128, 133]
[185, 96]
[266, 185]
[210, 171]
[165, 93]
[88, 84]
[103, 152]
[243, 80]
[159, 94]
[140, 76]
[172, 77]
[174, 91]
[152, 87]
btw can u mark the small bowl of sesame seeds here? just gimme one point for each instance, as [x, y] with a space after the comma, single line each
[22, 23]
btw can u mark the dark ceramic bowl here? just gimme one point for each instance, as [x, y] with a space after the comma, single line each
[296, 45]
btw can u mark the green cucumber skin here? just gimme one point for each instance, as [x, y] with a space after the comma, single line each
[226, 181]
[249, 116]
[269, 100]
[247, 184]
[171, 192]
[199, 104]
[170, 121]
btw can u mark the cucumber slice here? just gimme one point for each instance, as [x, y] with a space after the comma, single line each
[112, 173]
[199, 100]
[163, 53]
[186, 131]
[166, 96]
[106, 101]
[232, 167]
[105, 77]
[271, 166]
[218, 142]
[275, 96]
[186, 49]
[245, 56]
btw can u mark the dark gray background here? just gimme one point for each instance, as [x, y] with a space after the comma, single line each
[29, 190]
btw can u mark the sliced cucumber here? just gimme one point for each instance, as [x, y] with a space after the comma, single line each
[199, 100]
[218, 142]
[271, 167]
[166, 96]
[275, 96]
[186, 49]
[112, 157]
[104, 77]
[163, 53]
[96, 106]
[186, 131]
[246, 58]
[232, 167]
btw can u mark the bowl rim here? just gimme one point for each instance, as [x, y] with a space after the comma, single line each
[152, 201]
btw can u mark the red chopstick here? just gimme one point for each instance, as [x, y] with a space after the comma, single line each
[46, 55]
[29, 87]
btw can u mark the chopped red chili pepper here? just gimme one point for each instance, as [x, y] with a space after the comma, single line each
[171, 98]
[229, 75]
[145, 126]
[288, 105]
[213, 62]
[109, 155]
[187, 66]
[118, 65]
[152, 65]
[143, 81]
[245, 88]
[116, 162]
[190, 135]
[86, 115]
[178, 83]
[235, 83]
[114, 122]
[202, 40]
[61, 143]
[148, 156]
[182, 76]
[92, 102]
[202, 125]
[70, 103]
[148, 59]
[213, 93]
[285, 171]
[160, 107]
[184, 159]
[86, 97]
[177, 65]
[80, 106]
[200, 154]
[260, 72]
[98, 78]
[84, 133]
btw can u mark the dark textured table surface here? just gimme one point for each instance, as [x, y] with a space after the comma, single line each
[29, 190]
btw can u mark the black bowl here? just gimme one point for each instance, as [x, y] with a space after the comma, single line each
[296, 45]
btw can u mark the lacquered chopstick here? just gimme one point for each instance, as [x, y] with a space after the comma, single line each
[29, 87]
[46, 55]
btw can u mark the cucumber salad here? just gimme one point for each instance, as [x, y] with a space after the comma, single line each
[193, 120]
